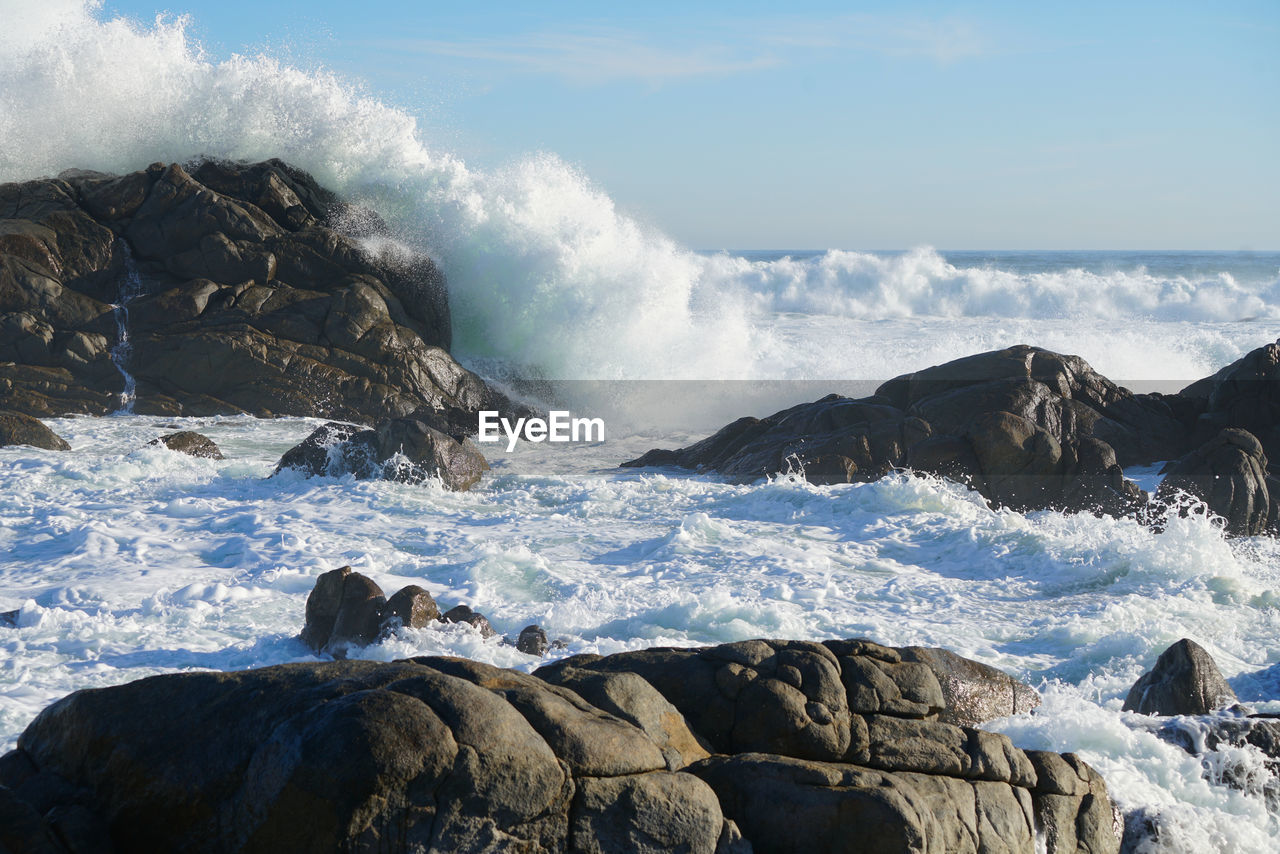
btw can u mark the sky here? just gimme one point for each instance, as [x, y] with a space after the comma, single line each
[818, 125]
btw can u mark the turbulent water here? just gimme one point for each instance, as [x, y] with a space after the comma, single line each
[126, 560]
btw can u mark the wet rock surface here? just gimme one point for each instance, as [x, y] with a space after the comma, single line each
[19, 429]
[244, 287]
[1184, 681]
[190, 443]
[758, 745]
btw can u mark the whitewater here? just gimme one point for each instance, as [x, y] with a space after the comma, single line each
[124, 560]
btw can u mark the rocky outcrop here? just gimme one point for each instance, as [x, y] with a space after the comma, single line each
[408, 450]
[1229, 474]
[19, 429]
[346, 608]
[219, 288]
[1184, 681]
[190, 443]
[1244, 394]
[771, 746]
[1027, 428]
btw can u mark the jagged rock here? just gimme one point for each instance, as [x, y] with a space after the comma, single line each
[191, 444]
[412, 607]
[407, 450]
[1229, 474]
[533, 641]
[1027, 428]
[438, 754]
[1185, 681]
[1244, 394]
[19, 429]
[464, 614]
[255, 296]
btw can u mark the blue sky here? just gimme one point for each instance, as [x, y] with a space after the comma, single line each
[855, 125]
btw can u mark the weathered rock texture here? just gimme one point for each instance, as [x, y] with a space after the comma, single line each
[1030, 430]
[408, 450]
[760, 745]
[249, 295]
[1185, 681]
[190, 443]
[19, 429]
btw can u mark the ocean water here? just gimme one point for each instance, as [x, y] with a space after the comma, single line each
[125, 560]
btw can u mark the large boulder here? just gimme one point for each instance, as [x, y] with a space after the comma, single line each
[19, 429]
[190, 443]
[973, 693]
[437, 754]
[1244, 394]
[246, 288]
[1229, 474]
[408, 450]
[1184, 681]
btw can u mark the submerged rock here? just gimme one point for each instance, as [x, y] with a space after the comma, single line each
[533, 641]
[408, 450]
[1185, 681]
[464, 614]
[191, 444]
[19, 429]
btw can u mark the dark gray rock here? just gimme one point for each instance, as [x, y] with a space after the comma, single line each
[407, 450]
[1185, 681]
[411, 607]
[343, 608]
[533, 641]
[190, 443]
[464, 614]
[1244, 394]
[646, 814]
[973, 693]
[19, 429]
[256, 296]
[1229, 474]
[9, 619]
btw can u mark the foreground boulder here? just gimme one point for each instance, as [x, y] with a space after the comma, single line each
[408, 450]
[771, 746]
[1185, 681]
[1229, 474]
[242, 288]
[19, 429]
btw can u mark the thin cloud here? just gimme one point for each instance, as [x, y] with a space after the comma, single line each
[943, 40]
[591, 58]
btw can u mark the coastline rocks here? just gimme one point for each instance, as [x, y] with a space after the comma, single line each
[19, 429]
[407, 450]
[1026, 428]
[191, 444]
[589, 754]
[1244, 394]
[533, 641]
[1184, 681]
[435, 754]
[464, 614]
[973, 693]
[1229, 474]
[246, 288]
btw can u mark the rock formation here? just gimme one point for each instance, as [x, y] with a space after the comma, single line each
[760, 745]
[1184, 681]
[408, 450]
[190, 443]
[215, 288]
[19, 429]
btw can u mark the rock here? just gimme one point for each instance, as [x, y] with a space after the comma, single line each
[407, 450]
[533, 641]
[365, 756]
[411, 607]
[791, 805]
[1229, 474]
[1245, 395]
[19, 429]
[1073, 809]
[343, 608]
[633, 699]
[1185, 681]
[191, 444]
[1209, 738]
[464, 614]
[256, 295]
[973, 693]
[9, 619]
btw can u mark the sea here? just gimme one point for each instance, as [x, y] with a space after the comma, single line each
[124, 560]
